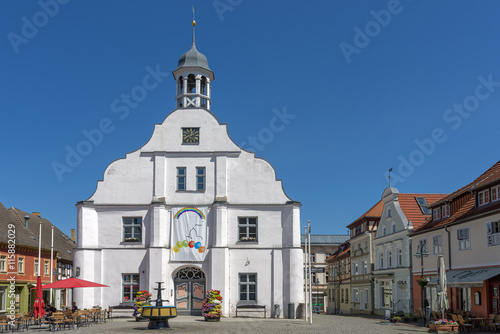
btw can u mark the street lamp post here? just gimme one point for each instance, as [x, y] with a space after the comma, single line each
[421, 253]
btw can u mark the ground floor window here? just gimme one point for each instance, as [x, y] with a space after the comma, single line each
[248, 287]
[3, 294]
[130, 286]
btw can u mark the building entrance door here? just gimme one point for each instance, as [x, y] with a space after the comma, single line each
[495, 298]
[189, 285]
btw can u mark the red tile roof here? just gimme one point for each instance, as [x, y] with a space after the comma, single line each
[411, 208]
[490, 176]
[468, 209]
[374, 212]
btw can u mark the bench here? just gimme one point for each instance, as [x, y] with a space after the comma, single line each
[251, 308]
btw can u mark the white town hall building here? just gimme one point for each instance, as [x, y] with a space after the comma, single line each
[193, 210]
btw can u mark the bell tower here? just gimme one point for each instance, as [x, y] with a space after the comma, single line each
[193, 79]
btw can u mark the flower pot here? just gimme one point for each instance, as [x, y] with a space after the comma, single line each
[422, 283]
[207, 318]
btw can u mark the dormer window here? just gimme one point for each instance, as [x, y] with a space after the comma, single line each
[389, 213]
[436, 213]
[446, 210]
[495, 193]
[484, 197]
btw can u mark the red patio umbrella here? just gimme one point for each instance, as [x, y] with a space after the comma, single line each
[39, 306]
[73, 283]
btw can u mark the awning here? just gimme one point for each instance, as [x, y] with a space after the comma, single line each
[464, 278]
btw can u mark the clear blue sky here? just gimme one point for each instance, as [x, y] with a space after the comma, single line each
[365, 81]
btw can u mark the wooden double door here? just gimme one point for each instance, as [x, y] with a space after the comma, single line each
[189, 291]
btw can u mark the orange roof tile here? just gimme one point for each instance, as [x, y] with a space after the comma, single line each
[375, 212]
[411, 208]
[491, 175]
[469, 209]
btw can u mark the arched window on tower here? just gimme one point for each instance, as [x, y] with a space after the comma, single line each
[180, 85]
[203, 91]
[203, 85]
[191, 88]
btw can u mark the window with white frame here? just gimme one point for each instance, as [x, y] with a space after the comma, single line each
[132, 229]
[463, 237]
[20, 265]
[446, 210]
[36, 267]
[437, 244]
[181, 178]
[436, 213]
[356, 268]
[355, 295]
[381, 260]
[46, 270]
[399, 255]
[389, 259]
[3, 264]
[493, 230]
[484, 197]
[366, 296]
[200, 178]
[248, 287]
[130, 286]
[247, 230]
[495, 193]
[365, 267]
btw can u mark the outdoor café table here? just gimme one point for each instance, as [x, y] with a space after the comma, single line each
[475, 321]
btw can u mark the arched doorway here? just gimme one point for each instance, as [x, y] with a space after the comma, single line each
[189, 285]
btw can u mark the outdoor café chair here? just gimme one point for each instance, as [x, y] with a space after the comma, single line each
[462, 325]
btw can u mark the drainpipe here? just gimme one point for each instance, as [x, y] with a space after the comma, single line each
[449, 261]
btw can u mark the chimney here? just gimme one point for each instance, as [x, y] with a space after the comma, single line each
[26, 218]
[37, 214]
[73, 234]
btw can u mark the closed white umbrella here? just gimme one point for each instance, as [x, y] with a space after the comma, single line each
[441, 286]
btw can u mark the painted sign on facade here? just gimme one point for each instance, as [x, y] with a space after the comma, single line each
[189, 234]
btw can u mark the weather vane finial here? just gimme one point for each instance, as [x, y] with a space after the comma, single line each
[193, 23]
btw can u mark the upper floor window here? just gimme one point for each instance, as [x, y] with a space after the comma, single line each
[389, 259]
[463, 237]
[132, 229]
[399, 253]
[384, 231]
[247, 228]
[495, 193]
[3, 263]
[381, 257]
[436, 213]
[484, 197]
[36, 268]
[358, 229]
[494, 233]
[181, 178]
[248, 287]
[389, 213]
[356, 269]
[20, 265]
[393, 228]
[200, 178]
[46, 270]
[446, 210]
[437, 244]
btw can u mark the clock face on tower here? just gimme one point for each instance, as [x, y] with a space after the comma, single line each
[190, 135]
